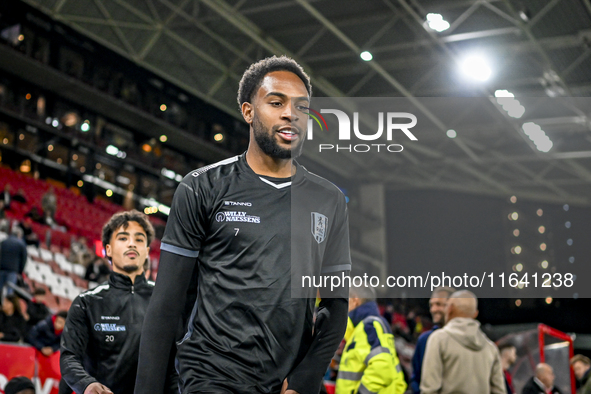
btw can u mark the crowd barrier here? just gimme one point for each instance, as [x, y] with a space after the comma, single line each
[44, 372]
[25, 360]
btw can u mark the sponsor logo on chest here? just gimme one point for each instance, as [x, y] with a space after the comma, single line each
[109, 327]
[236, 216]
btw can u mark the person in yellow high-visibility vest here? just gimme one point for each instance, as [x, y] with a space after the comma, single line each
[369, 363]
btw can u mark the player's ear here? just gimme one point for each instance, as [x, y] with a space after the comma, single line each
[449, 307]
[108, 250]
[247, 112]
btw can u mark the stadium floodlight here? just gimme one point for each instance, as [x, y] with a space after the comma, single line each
[510, 104]
[503, 93]
[168, 173]
[365, 55]
[112, 150]
[476, 67]
[537, 136]
[436, 22]
[85, 126]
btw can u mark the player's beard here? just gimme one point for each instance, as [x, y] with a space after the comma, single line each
[129, 268]
[439, 318]
[267, 141]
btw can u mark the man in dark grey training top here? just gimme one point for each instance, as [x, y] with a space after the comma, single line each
[100, 342]
[245, 222]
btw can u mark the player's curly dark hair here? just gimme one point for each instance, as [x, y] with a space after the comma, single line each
[253, 76]
[122, 219]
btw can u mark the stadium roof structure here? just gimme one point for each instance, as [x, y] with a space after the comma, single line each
[537, 49]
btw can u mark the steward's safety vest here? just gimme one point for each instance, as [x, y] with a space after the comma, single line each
[369, 363]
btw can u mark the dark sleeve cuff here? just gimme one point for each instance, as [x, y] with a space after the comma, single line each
[331, 323]
[178, 250]
[82, 384]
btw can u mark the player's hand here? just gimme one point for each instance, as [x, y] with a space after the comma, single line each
[97, 388]
[284, 389]
[1, 335]
[47, 351]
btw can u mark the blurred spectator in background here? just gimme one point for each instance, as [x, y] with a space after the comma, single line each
[369, 363]
[459, 358]
[78, 249]
[29, 236]
[581, 366]
[88, 258]
[411, 322]
[12, 322]
[36, 308]
[437, 305]
[19, 385]
[46, 334]
[13, 256]
[5, 199]
[4, 223]
[6, 196]
[508, 354]
[542, 381]
[20, 196]
[387, 311]
[400, 323]
[2, 210]
[49, 204]
[98, 271]
[35, 215]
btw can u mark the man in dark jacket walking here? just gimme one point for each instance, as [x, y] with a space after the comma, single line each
[13, 256]
[45, 335]
[581, 366]
[100, 343]
[542, 382]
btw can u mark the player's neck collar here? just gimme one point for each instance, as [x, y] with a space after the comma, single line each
[294, 179]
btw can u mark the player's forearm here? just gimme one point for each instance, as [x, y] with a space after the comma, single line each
[329, 329]
[73, 372]
[162, 321]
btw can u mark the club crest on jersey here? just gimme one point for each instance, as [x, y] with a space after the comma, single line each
[319, 225]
